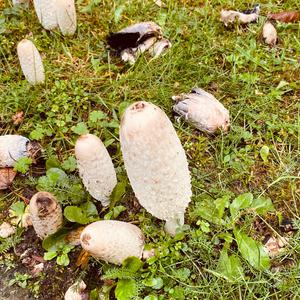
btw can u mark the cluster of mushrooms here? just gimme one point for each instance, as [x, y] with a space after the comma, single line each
[154, 158]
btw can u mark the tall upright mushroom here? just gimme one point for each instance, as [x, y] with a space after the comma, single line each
[31, 62]
[46, 13]
[46, 214]
[112, 241]
[66, 16]
[156, 163]
[95, 167]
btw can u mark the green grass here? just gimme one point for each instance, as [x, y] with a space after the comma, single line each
[260, 87]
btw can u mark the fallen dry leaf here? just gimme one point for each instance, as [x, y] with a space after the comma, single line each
[7, 176]
[285, 16]
[18, 118]
[82, 259]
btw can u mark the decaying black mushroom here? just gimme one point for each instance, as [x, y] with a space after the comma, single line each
[131, 41]
[132, 36]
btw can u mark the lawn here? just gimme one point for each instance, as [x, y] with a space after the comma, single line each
[245, 183]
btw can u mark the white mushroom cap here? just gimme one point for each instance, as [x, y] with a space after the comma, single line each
[31, 62]
[12, 148]
[112, 241]
[46, 13]
[75, 291]
[46, 214]
[269, 34]
[203, 110]
[155, 161]
[66, 16]
[95, 167]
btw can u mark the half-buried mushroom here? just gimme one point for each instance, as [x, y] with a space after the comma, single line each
[112, 241]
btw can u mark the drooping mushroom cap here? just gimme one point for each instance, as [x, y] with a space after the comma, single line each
[95, 167]
[155, 161]
[112, 241]
[203, 110]
[46, 13]
[46, 214]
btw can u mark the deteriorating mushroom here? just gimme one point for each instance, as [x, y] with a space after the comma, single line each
[132, 36]
[160, 47]
[254, 10]
[66, 16]
[13, 147]
[31, 62]
[156, 163]
[249, 16]
[203, 110]
[46, 214]
[95, 167]
[46, 13]
[76, 291]
[112, 241]
[270, 34]
[131, 54]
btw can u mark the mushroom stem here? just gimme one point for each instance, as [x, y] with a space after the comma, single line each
[174, 223]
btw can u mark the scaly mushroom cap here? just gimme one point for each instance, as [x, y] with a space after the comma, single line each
[12, 148]
[95, 167]
[46, 214]
[269, 34]
[46, 13]
[31, 62]
[66, 16]
[132, 36]
[155, 161]
[112, 241]
[203, 110]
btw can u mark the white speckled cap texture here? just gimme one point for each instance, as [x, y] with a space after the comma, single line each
[95, 167]
[155, 161]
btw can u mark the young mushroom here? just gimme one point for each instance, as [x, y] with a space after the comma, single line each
[156, 163]
[46, 214]
[270, 34]
[203, 110]
[112, 241]
[13, 147]
[31, 62]
[95, 167]
[76, 292]
[46, 13]
[66, 16]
